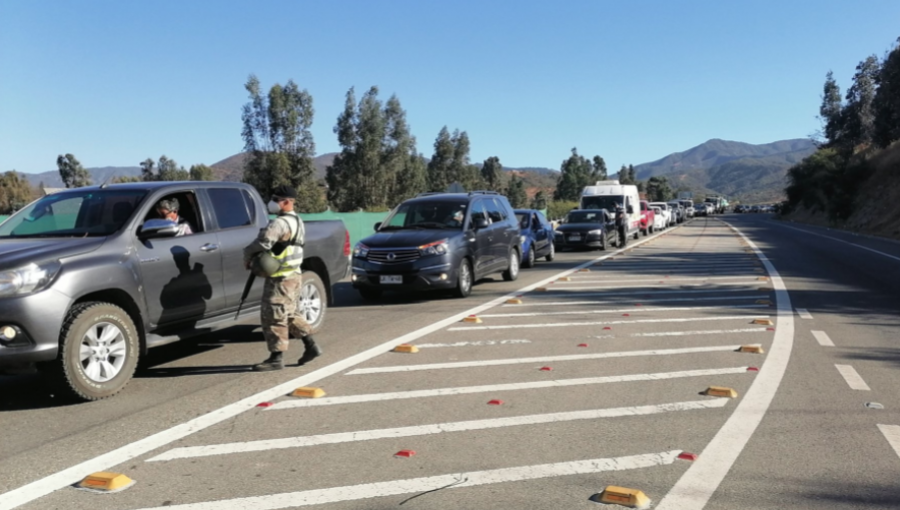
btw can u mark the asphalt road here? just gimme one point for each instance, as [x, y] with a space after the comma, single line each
[626, 349]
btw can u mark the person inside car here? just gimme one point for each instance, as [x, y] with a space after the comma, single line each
[456, 219]
[167, 209]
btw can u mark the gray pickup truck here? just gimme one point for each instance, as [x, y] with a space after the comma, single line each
[90, 278]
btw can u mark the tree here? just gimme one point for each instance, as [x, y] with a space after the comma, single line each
[15, 192]
[412, 179]
[539, 201]
[278, 141]
[148, 173]
[72, 173]
[887, 100]
[830, 112]
[859, 113]
[123, 179]
[516, 194]
[558, 209]
[439, 168]
[170, 171]
[658, 189]
[574, 174]
[631, 174]
[492, 173]
[599, 167]
[201, 172]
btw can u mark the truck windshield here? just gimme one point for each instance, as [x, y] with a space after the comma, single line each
[585, 217]
[427, 214]
[74, 214]
[607, 202]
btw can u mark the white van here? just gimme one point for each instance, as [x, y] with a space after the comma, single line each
[607, 194]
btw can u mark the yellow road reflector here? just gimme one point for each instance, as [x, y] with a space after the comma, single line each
[472, 318]
[755, 349]
[104, 481]
[514, 301]
[308, 392]
[406, 348]
[763, 302]
[763, 279]
[564, 279]
[585, 270]
[720, 391]
[613, 495]
[541, 289]
[764, 322]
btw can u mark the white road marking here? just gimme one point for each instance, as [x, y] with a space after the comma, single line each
[430, 483]
[42, 487]
[822, 338]
[854, 380]
[541, 359]
[651, 280]
[661, 300]
[804, 313]
[703, 332]
[601, 323]
[892, 434]
[493, 388]
[650, 283]
[633, 309]
[438, 428]
[842, 241]
[648, 292]
[474, 343]
[700, 481]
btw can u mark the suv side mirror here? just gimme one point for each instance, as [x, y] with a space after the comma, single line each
[480, 223]
[377, 226]
[158, 228]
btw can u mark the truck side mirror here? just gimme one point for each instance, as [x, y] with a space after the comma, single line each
[630, 210]
[158, 228]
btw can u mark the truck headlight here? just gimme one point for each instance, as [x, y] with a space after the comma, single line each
[435, 248]
[360, 250]
[27, 279]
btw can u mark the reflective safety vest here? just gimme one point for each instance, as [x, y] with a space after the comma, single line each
[289, 253]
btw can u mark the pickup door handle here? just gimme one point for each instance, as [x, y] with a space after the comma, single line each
[209, 247]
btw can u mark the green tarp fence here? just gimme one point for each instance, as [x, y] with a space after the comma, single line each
[359, 224]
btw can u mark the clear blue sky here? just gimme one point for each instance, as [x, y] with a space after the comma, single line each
[115, 82]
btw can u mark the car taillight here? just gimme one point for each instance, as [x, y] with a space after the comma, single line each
[347, 248]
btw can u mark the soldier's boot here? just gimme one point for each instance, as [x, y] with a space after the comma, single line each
[275, 362]
[312, 351]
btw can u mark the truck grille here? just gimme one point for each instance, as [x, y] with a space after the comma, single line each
[393, 256]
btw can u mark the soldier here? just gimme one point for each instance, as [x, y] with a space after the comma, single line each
[276, 255]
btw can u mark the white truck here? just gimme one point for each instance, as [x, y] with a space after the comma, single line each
[611, 194]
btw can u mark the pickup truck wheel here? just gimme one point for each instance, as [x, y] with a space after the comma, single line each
[313, 302]
[99, 351]
[552, 255]
[369, 294]
[464, 279]
[512, 272]
[529, 260]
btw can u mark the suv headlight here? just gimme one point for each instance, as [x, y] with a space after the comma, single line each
[597, 232]
[28, 279]
[361, 250]
[522, 240]
[435, 248]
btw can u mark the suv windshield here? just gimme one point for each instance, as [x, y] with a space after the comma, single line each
[427, 214]
[585, 217]
[78, 213]
[607, 202]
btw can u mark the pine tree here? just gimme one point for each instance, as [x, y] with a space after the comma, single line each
[459, 168]
[623, 175]
[72, 173]
[539, 201]
[148, 173]
[830, 112]
[658, 189]
[859, 112]
[632, 178]
[340, 175]
[887, 100]
[492, 173]
[575, 173]
[439, 168]
[412, 179]
[515, 192]
[599, 167]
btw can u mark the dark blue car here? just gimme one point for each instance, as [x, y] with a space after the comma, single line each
[536, 236]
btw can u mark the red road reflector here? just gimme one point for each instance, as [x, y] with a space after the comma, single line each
[688, 456]
[752, 369]
[495, 403]
[264, 404]
[638, 304]
[770, 329]
[405, 454]
[606, 327]
[626, 315]
[582, 345]
[546, 369]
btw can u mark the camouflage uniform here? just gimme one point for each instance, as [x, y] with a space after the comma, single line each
[281, 293]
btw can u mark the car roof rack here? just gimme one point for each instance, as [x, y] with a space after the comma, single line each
[431, 193]
[484, 192]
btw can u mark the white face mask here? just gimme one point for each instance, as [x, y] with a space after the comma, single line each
[274, 208]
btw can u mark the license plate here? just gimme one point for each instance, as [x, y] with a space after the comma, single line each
[575, 238]
[391, 279]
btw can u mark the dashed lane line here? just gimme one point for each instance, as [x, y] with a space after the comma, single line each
[577, 281]
[473, 343]
[644, 309]
[703, 332]
[823, 338]
[432, 483]
[437, 428]
[660, 300]
[601, 323]
[854, 380]
[892, 434]
[493, 388]
[649, 292]
[804, 313]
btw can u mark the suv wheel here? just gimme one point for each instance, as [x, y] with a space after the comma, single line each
[512, 272]
[369, 294]
[464, 279]
[552, 255]
[99, 351]
[529, 260]
[312, 305]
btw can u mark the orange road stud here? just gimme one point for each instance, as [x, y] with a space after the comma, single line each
[763, 279]
[406, 348]
[404, 454]
[764, 322]
[720, 391]
[613, 495]
[308, 392]
[584, 270]
[514, 301]
[564, 279]
[104, 481]
[752, 349]
[473, 319]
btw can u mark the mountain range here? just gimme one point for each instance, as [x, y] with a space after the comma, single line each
[736, 169]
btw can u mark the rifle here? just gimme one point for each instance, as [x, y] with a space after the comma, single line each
[247, 287]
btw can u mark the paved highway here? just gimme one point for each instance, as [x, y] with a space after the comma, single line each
[595, 378]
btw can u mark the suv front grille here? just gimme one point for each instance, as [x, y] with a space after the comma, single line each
[388, 256]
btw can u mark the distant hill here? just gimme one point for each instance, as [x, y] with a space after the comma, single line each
[232, 167]
[751, 173]
[51, 178]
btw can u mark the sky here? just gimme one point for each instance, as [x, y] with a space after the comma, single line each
[116, 82]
